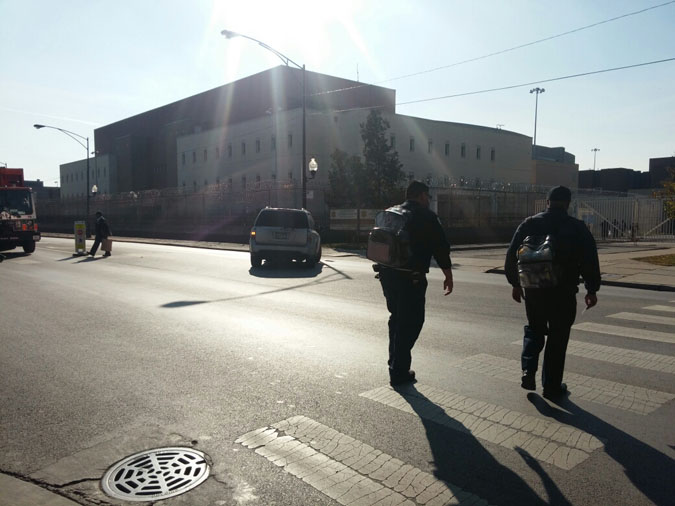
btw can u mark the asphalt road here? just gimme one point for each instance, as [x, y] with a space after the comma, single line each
[169, 346]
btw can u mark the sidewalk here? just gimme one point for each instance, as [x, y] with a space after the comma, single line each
[16, 492]
[617, 260]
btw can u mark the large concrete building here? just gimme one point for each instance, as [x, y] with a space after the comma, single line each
[250, 131]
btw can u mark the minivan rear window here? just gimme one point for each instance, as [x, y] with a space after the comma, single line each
[286, 219]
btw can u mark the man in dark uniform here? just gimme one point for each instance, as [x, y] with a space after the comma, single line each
[102, 232]
[405, 289]
[551, 311]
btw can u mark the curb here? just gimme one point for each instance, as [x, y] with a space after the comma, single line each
[622, 284]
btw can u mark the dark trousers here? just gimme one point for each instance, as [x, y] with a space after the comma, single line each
[97, 243]
[549, 312]
[405, 296]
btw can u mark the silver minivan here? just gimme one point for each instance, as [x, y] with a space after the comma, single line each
[286, 234]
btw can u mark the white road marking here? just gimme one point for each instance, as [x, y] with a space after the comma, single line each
[611, 354]
[667, 309]
[548, 441]
[615, 330]
[610, 393]
[647, 318]
[347, 470]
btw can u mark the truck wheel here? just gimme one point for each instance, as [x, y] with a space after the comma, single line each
[29, 247]
[256, 260]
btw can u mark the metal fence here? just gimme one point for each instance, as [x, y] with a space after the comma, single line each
[221, 212]
[626, 218]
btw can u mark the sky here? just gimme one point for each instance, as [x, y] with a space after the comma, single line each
[79, 65]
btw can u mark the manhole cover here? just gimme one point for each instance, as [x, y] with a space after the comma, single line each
[156, 474]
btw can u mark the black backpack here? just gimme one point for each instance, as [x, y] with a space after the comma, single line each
[389, 241]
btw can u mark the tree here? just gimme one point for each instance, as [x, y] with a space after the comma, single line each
[668, 193]
[344, 173]
[383, 174]
[374, 183]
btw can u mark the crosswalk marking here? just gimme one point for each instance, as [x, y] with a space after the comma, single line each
[647, 318]
[548, 441]
[610, 393]
[348, 470]
[667, 309]
[632, 358]
[615, 330]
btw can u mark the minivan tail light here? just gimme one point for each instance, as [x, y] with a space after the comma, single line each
[252, 233]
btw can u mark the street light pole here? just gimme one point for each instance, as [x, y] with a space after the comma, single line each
[537, 91]
[74, 136]
[229, 35]
[595, 152]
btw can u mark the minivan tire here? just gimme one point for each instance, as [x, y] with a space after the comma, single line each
[28, 247]
[256, 260]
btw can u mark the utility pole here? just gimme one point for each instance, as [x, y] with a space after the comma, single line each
[537, 91]
[595, 152]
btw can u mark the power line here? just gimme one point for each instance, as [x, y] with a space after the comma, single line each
[536, 82]
[499, 52]
[529, 43]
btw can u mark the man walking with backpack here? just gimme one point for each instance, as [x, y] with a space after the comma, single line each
[405, 286]
[547, 254]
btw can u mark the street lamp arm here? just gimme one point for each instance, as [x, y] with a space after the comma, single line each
[70, 134]
[229, 34]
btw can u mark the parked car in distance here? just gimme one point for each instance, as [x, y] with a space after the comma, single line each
[284, 234]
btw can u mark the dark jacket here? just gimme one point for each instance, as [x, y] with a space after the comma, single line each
[427, 238]
[578, 253]
[102, 228]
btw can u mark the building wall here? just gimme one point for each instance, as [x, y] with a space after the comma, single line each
[101, 174]
[216, 156]
[658, 170]
[145, 145]
[551, 173]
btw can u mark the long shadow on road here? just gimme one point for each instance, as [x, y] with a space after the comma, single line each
[462, 460]
[652, 472]
[330, 278]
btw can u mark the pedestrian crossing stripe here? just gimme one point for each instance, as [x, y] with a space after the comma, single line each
[668, 309]
[622, 356]
[545, 440]
[646, 318]
[615, 330]
[348, 470]
[610, 393]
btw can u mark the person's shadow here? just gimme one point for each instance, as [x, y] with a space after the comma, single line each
[462, 460]
[652, 472]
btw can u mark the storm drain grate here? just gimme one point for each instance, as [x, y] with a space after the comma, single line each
[156, 474]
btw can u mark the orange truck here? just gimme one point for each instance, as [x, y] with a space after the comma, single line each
[18, 219]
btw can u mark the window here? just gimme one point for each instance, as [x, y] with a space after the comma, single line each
[229, 181]
[392, 141]
[447, 149]
[243, 148]
[477, 152]
[412, 144]
[411, 176]
[257, 178]
[273, 143]
[274, 177]
[206, 182]
[205, 154]
[290, 175]
[492, 154]
[183, 158]
[217, 180]
[194, 157]
[217, 153]
[243, 181]
[462, 150]
[257, 145]
[290, 140]
[430, 145]
[229, 150]
[103, 171]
